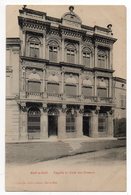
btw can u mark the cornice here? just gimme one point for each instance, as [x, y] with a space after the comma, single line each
[40, 60]
[107, 39]
[103, 70]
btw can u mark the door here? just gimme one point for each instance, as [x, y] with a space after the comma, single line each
[86, 125]
[52, 125]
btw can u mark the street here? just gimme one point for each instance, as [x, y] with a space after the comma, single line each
[103, 170]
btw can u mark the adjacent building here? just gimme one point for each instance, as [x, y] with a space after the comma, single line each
[59, 78]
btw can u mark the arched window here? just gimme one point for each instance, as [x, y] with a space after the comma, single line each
[102, 58]
[71, 54]
[34, 47]
[86, 54]
[53, 51]
[71, 121]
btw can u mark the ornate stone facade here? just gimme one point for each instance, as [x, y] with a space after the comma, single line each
[59, 78]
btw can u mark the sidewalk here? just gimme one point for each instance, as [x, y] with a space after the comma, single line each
[31, 152]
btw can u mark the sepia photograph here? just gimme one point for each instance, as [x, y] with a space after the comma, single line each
[65, 98]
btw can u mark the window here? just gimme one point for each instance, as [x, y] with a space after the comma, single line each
[87, 91]
[70, 56]
[34, 123]
[53, 53]
[34, 86]
[86, 59]
[34, 47]
[102, 122]
[102, 58]
[34, 50]
[70, 90]
[102, 92]
[70, 122]
[123, 101]
[53, 88]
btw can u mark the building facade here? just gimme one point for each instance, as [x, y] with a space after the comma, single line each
[59, 78]
[120, 107]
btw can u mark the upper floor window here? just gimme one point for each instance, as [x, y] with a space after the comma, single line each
[87, 91]
[102, 58]
[53, 88]
[86, 54]
[71, 54]
[70, 90]
[123, 101]
[53, 51]
[102, 92]
[34, 86]
[34, 47]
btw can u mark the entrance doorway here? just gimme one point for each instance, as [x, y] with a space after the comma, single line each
[86, 125]
[52, 125]
[34, 123]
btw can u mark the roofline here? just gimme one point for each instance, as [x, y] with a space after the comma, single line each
[59, 20]
[119, 79]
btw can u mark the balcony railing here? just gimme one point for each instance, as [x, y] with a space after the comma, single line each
[106, 99]
[53, 95]
[71, 96]
[34, 94]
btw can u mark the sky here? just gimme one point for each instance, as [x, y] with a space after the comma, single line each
[90, 15]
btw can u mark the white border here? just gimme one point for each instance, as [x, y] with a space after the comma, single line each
[3, 3]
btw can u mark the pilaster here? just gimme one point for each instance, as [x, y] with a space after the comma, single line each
[63, 55]
[62, 123]
[23, 122]
[79, 121]
[44, 122]
[80, 53]
[110, 123]
[94, 123]
[95, 56]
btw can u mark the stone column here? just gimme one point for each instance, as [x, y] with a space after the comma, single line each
[94, 124]
[63, 54]
[110, 129]
[80, 61]
[95, 60]
[44, 123]
[62, 123]
[23, 122]
[79, 122]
